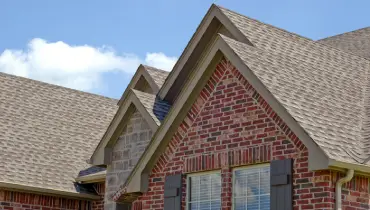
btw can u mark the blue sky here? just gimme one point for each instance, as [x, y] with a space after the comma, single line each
[96, 46]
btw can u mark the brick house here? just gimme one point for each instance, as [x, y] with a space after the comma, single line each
[250, 117]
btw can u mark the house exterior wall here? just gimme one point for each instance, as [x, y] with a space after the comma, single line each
[231, 125]
[126, 152]
[100, 190]
[11, 200]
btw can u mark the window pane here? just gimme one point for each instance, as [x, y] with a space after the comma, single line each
[204, 206]
[253, 183]
[240, 204]
[194, 188]
[265, 181]
[216, 186]
[216, 205]
[204, 192]
[240, 185]
[252, 203]
[265, 202]
[193, 206]
[205, 188]
[251, 188]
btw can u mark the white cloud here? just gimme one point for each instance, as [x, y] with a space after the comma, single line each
[78, 67]
[160, 60]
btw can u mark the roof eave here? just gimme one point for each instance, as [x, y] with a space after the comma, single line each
[359, 168]
[95, 178]
[45, 191]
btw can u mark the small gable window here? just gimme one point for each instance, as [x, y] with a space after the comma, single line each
[204, 191]
[251, 188]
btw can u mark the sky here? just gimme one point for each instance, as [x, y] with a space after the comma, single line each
[96, 46]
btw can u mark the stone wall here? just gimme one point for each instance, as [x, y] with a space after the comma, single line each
[126, 152]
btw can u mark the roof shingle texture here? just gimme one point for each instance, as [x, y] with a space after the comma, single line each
[159, 76]
[48, 132]
[156, 107]
[357, 42]
[323, 88]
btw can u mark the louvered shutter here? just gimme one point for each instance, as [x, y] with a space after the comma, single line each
[172, 192]
[281, 180]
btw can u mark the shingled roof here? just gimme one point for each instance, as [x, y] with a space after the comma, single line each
[357, 42]
[321, 91]
[325, 89]
[156, 107]
[158, 75]
[48, 132]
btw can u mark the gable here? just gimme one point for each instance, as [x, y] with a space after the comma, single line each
[146, 79]
[126, 151]
[143, 85]
[228, 117]
[228, 124]
[214, 22]
[103, 152]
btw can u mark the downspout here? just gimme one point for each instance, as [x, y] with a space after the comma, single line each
[338, 188]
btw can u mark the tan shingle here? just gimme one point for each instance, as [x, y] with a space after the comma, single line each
[357, 42]
[156, 107]
[48, 132]
[158, 75]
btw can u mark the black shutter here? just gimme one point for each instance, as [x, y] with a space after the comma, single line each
[172, 192]
[123, 206]
[281, 180]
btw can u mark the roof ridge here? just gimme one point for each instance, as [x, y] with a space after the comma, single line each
[155, 68]
[345, 33]
[268, 24]
[292, 33]
[56, 86]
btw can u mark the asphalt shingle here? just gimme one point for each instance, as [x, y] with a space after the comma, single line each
[325, 98]
[159, 76]
[48, 132]
[156, 107]
[357, 42]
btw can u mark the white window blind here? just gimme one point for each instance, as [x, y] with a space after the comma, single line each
[204, 192]
[251, 189]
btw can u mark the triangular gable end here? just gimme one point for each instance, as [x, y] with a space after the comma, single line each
[130, 106]
[196, 82]
[143, 81]
[214, 22]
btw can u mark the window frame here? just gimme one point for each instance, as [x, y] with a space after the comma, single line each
[188, 176]
[262, 165]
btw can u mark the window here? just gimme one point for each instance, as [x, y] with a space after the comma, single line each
[204, 191]
[251, 188]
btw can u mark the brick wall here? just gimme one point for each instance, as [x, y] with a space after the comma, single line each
[126, 152]
[10, 200]
[99, 204]
[231, 125]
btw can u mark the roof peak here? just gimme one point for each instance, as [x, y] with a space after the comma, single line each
[154, 68]
[268, 24]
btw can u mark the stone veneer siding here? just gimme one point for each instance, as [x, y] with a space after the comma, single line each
[231, 125]
[126, 152]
